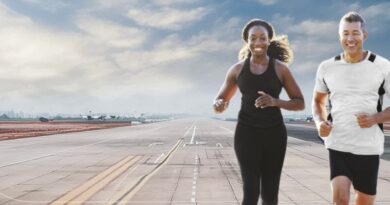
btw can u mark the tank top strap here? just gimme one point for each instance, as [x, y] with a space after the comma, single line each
[271, 65]
[247, 65]
[273, 70]
[245, 69]
[271, 62]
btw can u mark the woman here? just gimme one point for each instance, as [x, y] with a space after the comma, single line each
[260, 138]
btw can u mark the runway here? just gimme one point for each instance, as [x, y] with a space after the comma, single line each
[186, 161]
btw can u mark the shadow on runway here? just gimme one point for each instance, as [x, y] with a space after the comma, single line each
[310, 134]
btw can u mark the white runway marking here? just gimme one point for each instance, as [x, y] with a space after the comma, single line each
[227, 129]
[195, 178]
[193, 136]
[162, 155]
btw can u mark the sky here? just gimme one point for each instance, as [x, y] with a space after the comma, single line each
[156, 56]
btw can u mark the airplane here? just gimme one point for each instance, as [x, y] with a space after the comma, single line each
[93, 117]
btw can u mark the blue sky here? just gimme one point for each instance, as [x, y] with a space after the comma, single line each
[156, 56]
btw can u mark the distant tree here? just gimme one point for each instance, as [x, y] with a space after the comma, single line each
[58, 117]
[43, 119]
[4, 116]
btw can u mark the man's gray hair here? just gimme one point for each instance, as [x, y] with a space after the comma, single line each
[353, 16]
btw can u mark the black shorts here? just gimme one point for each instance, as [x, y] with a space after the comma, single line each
[362, 170]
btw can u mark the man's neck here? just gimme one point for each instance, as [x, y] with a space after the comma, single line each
[360, 56]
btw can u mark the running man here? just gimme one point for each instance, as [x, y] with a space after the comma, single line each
[354, 83]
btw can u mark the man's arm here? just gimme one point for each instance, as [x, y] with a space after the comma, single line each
[366, 121]
[320, 115]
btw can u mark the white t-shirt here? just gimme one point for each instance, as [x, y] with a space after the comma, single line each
[353, 89]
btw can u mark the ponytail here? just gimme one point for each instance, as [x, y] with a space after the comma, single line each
[279, 48]
[244, 53]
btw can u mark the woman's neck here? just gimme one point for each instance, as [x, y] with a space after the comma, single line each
[259, 59]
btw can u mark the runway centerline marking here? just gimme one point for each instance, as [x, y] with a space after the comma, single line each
[195, 178]
[193, 135]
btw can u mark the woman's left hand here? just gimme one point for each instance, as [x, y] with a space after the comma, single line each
[264, 100]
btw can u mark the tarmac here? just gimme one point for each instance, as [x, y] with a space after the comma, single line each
[151, 165]
[305, 177]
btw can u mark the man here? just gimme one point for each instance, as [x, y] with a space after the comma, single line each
[350, 122]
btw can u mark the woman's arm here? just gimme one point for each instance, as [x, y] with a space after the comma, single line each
[296, 101]
[227, 89]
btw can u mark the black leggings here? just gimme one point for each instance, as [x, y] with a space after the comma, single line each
[260, 153]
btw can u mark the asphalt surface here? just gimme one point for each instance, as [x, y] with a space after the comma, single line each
[307, 132]
[186, 161]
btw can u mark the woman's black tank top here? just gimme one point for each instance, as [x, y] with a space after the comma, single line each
[249, 84]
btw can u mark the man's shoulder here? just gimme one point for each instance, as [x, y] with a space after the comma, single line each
[330, 62]
[379, 60]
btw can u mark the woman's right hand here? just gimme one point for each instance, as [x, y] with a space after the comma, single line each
[220, 105]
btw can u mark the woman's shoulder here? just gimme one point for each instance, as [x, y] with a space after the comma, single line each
[237, 67]
[235, 70]
[281, 67]
[282, 71]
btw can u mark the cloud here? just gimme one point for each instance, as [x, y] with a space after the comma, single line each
[377, 16]
[166, 18]
[315, 28]
[312, 28]
[36, 59]
[31, 51]
[377, 11]
[268, 2]
[127, 4]
[312, 41]
[113, 4]
[103, 63]
[206, 44]
[175, 49]
[174, 2]
[110, 33]
[137, 61]
[149, 83]
[116, 56]
[49, 5]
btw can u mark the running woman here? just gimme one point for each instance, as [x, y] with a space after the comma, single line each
[260, 137]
